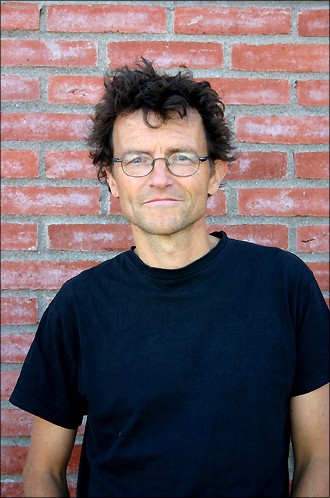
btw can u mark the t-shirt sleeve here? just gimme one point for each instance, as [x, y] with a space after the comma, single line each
[48, 383]
[312, 339]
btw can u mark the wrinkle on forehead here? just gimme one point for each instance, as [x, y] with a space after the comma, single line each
[155, 120]
[131, 133]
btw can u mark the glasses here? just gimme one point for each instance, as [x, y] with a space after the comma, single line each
[179, 163]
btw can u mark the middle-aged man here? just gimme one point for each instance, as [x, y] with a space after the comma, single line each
[194, 356]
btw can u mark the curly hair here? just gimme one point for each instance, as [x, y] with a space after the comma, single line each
[141, 88]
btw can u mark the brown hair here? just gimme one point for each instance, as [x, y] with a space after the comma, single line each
[142, 88]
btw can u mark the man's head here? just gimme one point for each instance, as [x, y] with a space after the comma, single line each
[141, 88]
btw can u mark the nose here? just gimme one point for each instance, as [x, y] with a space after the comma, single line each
[160, 175]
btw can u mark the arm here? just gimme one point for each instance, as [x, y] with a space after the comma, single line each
[310, 440]
[45, 468]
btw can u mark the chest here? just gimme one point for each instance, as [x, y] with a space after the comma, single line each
[166, 349]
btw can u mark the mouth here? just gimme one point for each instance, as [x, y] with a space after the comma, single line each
[168, 201]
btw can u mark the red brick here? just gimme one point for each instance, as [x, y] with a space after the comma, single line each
[313, 22]
[13, 459]
[232, 21]
[313, 238]
[44, 126]
[43, 275]
[74, 459]
[321, 273]
[106, 18]
[12, 488]
[50, 53]
[72, 485]
[50, 200]
[75, 89]
[283, 202]
[14, 347]
[8, 381]
[18, 311]
[69, 164]
[216, 204]
[312, 164]
[19, 237]
[167, 54]
[19, 163]
[313, 92]
[19, 15]
[254, 165]
[266, 235]
[16, 87]
[280, 57]
[90, 237]
[283, 129]
[251, 91]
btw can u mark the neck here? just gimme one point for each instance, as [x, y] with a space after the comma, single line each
[172, 251]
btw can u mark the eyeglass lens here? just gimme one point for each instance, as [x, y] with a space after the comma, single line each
[180, 164]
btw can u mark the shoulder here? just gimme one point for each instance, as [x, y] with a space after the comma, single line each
[253, 250]
[105, 269]
[273, 261]
[89, 281]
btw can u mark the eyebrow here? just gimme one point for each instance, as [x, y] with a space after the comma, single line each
[170, 151]
[135, 152]
[181, 149]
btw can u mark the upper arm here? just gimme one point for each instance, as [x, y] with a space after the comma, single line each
[50, 448]
[310, 425]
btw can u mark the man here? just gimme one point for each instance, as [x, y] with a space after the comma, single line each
[195, 357]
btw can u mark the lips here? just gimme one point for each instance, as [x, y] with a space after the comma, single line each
[160, 199]
[165, 201]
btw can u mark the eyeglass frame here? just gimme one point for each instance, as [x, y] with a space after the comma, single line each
[201, 159]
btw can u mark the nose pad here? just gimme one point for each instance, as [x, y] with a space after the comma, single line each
[160, 173]
[161, 159]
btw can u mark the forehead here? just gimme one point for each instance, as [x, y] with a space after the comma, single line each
[133, 128]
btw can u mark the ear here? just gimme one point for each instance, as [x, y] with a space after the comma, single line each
[220, 170]
[112, 184]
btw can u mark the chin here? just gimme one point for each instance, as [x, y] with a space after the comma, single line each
[165, 231]
[164, 225]
[165, 228]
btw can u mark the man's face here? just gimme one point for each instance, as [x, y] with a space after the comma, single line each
[161, 203]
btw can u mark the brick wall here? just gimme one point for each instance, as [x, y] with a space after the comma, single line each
[269, 62]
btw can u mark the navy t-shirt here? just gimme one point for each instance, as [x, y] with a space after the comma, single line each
[185, 375]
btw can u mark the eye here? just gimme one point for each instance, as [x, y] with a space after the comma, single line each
[182, 158]
[133, 159]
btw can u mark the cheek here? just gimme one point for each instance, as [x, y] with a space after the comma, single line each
[126, 198]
